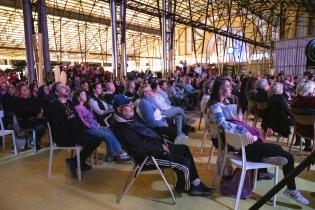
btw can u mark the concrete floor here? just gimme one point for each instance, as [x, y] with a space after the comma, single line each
[24, 185]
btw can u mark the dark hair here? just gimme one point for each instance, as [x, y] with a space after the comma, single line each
[75, 96]
[54, 88]
[215, 93]
[93, 86]
[32, 87]
[154, 85]
[41, 92]
[161, 82]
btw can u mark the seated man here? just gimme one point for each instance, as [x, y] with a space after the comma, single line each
[141, 141]
[151, 114]
[67, 128]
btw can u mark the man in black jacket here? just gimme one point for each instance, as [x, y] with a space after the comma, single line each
[141, 141]
[67, 128]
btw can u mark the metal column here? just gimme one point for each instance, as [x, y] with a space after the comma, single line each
[114, 37]
[167, 36]
[164, 40]
[123, 61]
[28, 32]
[42, 28]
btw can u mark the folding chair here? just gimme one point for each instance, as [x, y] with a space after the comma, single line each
[139, 167]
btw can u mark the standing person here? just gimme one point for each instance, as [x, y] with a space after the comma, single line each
[67, 128]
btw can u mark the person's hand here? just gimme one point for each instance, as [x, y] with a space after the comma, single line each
[165, 124]
[250, 138]
[165, 148]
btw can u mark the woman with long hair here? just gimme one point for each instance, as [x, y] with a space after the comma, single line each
[256, 150]
[94, 129]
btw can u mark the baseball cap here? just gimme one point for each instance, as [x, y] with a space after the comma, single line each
[120, 100]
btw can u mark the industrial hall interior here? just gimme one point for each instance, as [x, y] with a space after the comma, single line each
[157, 104]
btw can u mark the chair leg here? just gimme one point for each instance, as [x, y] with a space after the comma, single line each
[274, 199]
[203, 141]
[131, 179]
[240, 187]
[34, 141]
[164, 179]
[51, 153]
[3, 143]
[14, 144]
[292, 140]
[78, 163]
[210, 156]
[222, 168]
[201, 115]
[255, 178]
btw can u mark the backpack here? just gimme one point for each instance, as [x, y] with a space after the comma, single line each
[229, 185]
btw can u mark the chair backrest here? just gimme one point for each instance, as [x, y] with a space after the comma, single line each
[304, 119]
[106, 120]
[235, 140]
[261, 105]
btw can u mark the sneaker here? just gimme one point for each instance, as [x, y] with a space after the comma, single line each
[296, 195]
[200, 190]
[264, 176]
[181, 137]
[71, 166]
[278, 160]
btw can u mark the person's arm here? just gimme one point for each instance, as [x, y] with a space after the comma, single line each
[80, 113]
[147, 114]
[136, 144]
[285, 106]
[94, 106]
[158, 102]
[219, 119]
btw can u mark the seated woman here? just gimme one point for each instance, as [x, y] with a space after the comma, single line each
[255, 150]
[277, 108]
[99, 107]
[94, 129]
[29, 112]
[304, 103]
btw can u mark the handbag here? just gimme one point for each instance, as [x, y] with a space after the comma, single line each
[229, 185]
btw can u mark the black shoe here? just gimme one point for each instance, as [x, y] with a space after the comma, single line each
[71, 166]
[109, 158]
[123, 160]
[85, 167]
[307, 149]
[200, 190]
[265, 176]
[180, 189]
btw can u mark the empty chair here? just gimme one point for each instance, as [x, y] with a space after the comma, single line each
[4, 133]
[239, 142]
[149, 163]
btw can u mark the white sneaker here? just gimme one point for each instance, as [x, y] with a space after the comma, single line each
[296, 195]
[181, 137]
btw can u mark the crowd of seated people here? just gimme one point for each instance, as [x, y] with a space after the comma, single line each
[77, 111]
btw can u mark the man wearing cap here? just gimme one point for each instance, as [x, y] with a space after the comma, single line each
[141, 141]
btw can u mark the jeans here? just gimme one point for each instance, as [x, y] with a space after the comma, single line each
[179, 115]
[105, 134]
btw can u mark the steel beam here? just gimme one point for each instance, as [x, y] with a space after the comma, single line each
[76, 16]
[123, 61]
[114, 37]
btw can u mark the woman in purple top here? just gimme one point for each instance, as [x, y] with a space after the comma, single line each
[94, 129]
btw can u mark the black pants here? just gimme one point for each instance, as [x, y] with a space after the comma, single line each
[39, 125]
[169, 132]
[257, 151]
[89, 145]
[181, 160]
